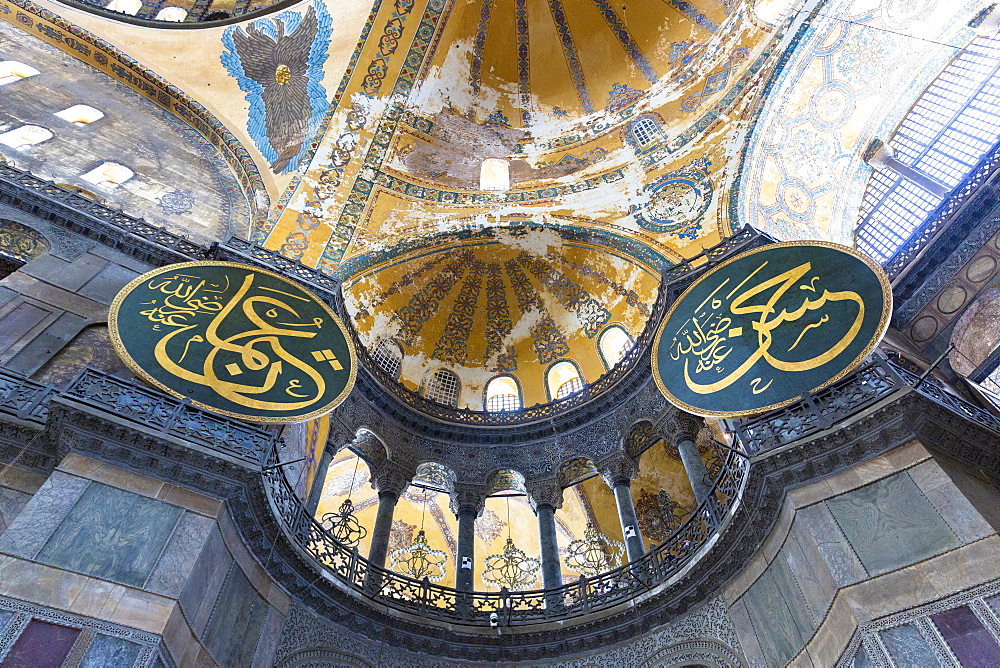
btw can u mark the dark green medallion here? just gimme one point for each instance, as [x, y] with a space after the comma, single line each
[235, 340]
[766, 326]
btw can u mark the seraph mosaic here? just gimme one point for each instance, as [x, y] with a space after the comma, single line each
[279, 65]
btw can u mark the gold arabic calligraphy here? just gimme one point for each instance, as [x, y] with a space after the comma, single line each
[705, 339]
[187, 300]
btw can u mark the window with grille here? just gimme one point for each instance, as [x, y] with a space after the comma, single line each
[503, 394]
[443, 388]
[80, 114]
[571, 386]
[563, 379]
[25, 136]
[646, 131]
[614, 343]
[108, 175]
[389, 357]
[171, 13]
[952, 126]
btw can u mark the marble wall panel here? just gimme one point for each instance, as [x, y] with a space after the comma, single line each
[236, 623]
[112, 534]
[890, 524]
[12, 502]
[862, 659]
[205, 582]
[968, 639]
[107, 651]
[907, 647]
[175, 564]
[41, 645]
[843, 564]
[42, 515]
[773, 620]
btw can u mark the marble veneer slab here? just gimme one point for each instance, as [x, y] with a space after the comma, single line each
[41, 516]
[908, 648]
[112, 534]
[890, 524]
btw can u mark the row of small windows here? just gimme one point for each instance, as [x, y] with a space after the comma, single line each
[503, 393]
[106, 174]
[133, 7]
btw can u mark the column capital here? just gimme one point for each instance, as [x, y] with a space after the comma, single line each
[547, 492]
[467, 496]
[618, 468]
[686, 427]
[392, 478]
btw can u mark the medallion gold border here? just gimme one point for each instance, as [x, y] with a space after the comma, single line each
[883, 326]
[123, 353]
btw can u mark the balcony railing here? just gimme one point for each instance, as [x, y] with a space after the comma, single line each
[255, 448]
[514, 608]
[155, 411]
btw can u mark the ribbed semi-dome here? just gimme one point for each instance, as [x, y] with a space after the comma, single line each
[569, 58]
[516, 300]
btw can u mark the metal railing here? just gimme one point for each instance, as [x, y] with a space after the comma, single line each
[24, 398]
[158, 412]
[876, 380]
[514, 608]
[945, 211]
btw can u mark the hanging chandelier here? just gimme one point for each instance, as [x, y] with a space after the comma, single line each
[419, 560]
[343, 525]
[593, 554]
[511, 569]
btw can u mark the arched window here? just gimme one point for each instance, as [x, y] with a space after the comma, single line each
[503, 394]
[25, 136]
[941, 140]
[130, 7]
[563, 379]
[108, 174]
[389, 356]
[613, 344]
[11, 71]
[645, 131]
[80, 114]
[442, 387]
[176, 14]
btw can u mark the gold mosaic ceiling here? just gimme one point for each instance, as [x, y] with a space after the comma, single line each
[565, 58]
[501, 301]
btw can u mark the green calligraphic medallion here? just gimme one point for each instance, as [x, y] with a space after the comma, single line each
[768, 325]
[234, 339]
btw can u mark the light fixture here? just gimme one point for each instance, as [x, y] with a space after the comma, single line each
[512, 569]
[593, 554]
[343, 525]
[418, 560]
